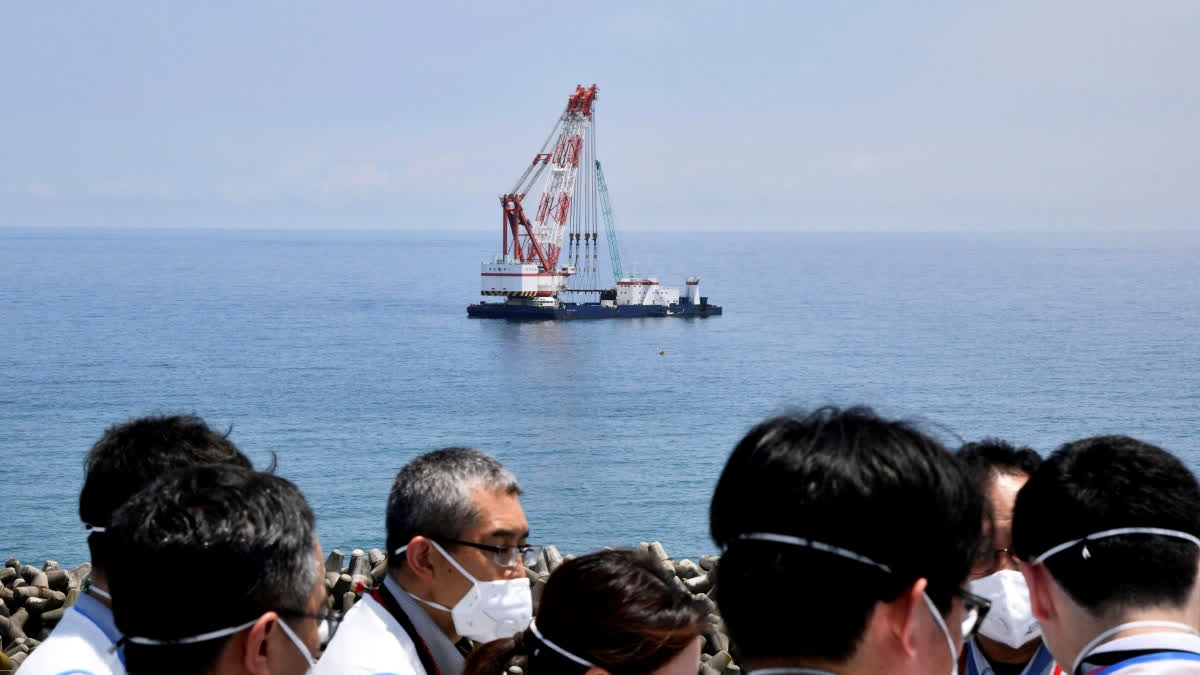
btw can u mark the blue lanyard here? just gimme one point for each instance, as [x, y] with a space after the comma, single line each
[1147, 658]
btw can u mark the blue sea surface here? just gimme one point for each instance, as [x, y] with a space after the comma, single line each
[345, 354]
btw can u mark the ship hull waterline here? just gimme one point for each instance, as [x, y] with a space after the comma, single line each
[570, 310]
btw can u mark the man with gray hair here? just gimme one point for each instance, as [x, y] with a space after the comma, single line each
[456, 570]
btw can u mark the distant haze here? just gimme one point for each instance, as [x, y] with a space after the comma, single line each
[1073, 116]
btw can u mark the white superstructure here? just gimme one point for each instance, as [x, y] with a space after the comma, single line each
[645, 291]
[517, 279]
[693, 290]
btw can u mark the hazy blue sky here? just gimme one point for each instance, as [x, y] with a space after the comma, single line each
[791, 115]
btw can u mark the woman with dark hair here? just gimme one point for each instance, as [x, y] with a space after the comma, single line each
[607, 612]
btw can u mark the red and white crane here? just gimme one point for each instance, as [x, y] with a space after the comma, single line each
[529, 265]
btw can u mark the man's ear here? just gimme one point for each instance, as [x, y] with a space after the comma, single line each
[900, 620]
[420, 556]
[257, 650]
[1041, 598]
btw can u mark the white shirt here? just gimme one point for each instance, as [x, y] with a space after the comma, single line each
[370, 641]
[1162, 642]
[80, 644]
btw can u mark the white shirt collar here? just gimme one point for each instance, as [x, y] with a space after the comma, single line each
[1164, 641]
[445, 654]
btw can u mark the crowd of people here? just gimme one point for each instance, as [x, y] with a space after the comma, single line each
[850, 543]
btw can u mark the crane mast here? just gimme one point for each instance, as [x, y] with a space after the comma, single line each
[610, 226]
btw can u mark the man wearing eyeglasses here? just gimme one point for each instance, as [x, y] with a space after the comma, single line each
[1108, 534]
[1009, 640]
[457, 535]
[847, 541]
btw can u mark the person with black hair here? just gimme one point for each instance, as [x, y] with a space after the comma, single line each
[1108, 534]
[217, 569]
[456, 537]
[125, 459]
[1009, 640]
[607, 612]
[846, 542]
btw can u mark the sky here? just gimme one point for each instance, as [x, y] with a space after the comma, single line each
[805, 116]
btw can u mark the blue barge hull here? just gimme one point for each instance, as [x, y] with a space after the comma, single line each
[588, 310]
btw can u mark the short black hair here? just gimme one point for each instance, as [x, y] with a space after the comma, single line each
[205, 548]
[131, 454]
[992, 456]
[1103, 483]
[849, 478]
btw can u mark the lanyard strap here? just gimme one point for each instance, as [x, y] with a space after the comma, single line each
[1148, 658]
[383, 597]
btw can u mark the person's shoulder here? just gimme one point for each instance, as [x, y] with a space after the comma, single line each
[72, 649]
[369, 642]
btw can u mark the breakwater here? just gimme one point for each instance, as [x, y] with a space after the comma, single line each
[33, 599]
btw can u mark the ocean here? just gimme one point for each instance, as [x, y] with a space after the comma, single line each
[345, 354]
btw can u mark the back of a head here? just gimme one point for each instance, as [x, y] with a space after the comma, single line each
[432, 495]
[130, 455]
[1103, 483]
[616, 609]
[202, 549]
[990, 457]
[850, 479]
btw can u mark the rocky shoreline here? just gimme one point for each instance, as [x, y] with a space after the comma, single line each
[32, 599]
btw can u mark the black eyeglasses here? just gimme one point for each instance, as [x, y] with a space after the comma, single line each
[506, 556]
[329, 617]
[976, 608]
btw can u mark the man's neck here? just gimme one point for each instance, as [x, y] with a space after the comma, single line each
[998, 652]
[416, 586]
[1089, 628]
[98, 579]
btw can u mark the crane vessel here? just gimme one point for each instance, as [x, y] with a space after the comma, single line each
[532, 274]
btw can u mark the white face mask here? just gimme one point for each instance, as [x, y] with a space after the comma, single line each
[1010, 620]
[491, 610]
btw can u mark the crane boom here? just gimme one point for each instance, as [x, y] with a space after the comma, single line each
[540, 240]
[610, 226]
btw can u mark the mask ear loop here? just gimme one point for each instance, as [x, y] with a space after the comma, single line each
[542, 638]
[445, 555]
[454, 562]
[191, 639]
[1087, 555]
[937, 616]
[297, 642]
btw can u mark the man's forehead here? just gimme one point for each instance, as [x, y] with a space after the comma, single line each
[1002, 493]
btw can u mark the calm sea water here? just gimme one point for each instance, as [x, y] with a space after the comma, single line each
[347, 354]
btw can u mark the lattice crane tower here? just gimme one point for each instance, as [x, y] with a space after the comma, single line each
[531, 250]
